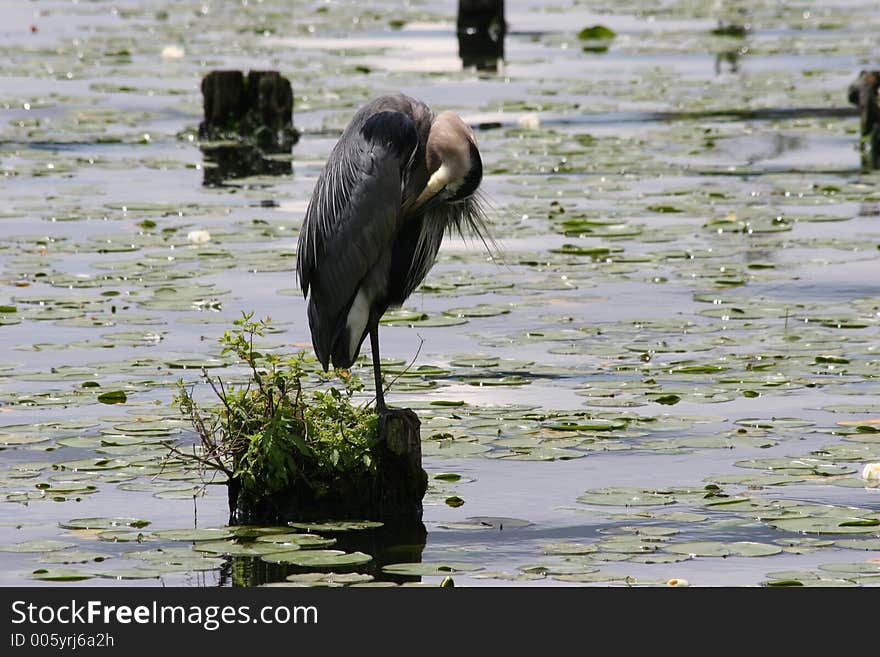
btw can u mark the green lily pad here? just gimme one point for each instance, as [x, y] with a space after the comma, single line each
[114, 397]
[584, 424]
[425, 569]
[73, 556]
[93, 464]
[569, 548]
[180, 493]
[319, 558]
[36, 546]
[212, 534]
[103, 523]
[234, 548]
[465, 526]
[596, 32]
[596, 577]
[336, 526]
[434, 321]
[481, 310]
[700, 549]
[626, 497]
[752, 549]
[539, 454]
[859, 543]
[656, 557]
[820, 525]
[329, 579]
[131, 574]
[122, 536]
[195, 363]
[402, 316]
[293, 541]
[61, 575]
[859, 568]
[453, 448]
[250, 531]
[12, 439]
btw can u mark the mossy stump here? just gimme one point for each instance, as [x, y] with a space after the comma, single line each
[393, 494]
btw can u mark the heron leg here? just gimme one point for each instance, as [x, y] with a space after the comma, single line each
[377, 369]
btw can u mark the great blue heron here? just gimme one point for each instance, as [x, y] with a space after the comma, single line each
[397, 179]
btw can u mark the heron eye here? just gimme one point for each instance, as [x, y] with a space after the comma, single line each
[472, 178]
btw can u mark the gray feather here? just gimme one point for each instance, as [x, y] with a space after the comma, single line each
[354, 213]
[363, 231]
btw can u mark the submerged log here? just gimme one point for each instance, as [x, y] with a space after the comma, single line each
[863, 94]
[393, 495]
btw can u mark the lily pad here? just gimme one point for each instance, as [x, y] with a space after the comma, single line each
[122, 536]
[329, 579]
[114, 397]
[626, 497]
[427, 569]
[73, 556]
[36, 546]
[193, 534]
[319, 558]
[336, 526]
[103, 523]
[290, 541]
[61, 575]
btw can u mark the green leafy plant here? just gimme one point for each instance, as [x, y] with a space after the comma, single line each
[270, 433]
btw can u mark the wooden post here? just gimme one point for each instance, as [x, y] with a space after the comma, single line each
[222, 98]
[481, 28]
[241, 107]
[401, 482]
[392, 496]
[473, 12]
[254, 111]
[863, 94]
[270, 109]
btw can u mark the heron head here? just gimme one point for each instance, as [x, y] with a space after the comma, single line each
[455, 168]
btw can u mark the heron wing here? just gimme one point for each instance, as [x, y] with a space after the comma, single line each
[353, 217]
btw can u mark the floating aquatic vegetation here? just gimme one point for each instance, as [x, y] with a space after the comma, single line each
[319, 559]
[427, 569]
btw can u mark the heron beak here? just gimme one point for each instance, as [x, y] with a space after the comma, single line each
[436, 184]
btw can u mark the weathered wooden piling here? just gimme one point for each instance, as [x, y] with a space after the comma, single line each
[258, 106]
[392, 495]
[481, 28]
[863, 94]
[247, 117]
